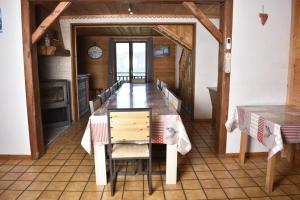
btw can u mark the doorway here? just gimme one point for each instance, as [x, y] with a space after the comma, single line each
[131, 62]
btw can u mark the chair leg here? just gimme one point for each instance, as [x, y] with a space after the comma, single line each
[111, 177]
[150, 175]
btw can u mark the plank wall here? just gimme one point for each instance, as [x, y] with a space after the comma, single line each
[163, 67]
[293, 96]
[98, 68]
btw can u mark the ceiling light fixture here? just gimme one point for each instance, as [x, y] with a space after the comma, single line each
[130, 9]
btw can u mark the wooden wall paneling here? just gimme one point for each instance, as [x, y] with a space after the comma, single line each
[174, 8]
[293, 94]
[185, 91]
[223, 80]
[98, 68]
[181, 34]
[32, 83]
[164, 67]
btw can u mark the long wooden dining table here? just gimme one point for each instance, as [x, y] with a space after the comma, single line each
[167, 127]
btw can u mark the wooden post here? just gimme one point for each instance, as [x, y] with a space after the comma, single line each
[204, 20]
[223, 79]
[270, 174]
[243, 147]
[32, 85]
[39, 32]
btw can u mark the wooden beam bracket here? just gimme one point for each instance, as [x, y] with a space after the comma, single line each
[40, 31]
[204, 20]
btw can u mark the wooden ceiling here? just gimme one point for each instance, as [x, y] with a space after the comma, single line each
[117, 31]
[116, 7]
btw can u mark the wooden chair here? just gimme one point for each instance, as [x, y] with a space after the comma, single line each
[107, 93]
[129, 139]
[163, 84]
[119, 84]
[158, 84]
[112, 89]
[137, 81]
[102, 97]
[166, 92]
[116, 87]
[95, 104]
[175, 102]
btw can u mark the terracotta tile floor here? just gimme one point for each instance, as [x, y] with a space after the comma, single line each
[66, 171]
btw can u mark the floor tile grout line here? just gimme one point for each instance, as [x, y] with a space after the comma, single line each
[211, 170]
[71, 176]
[161, 180]
[85, 184]
[34, 179]
[234, 178]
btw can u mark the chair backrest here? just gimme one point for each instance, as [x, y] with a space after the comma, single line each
[138, 80]
[158, 84]
[115, 86]
[163, 84]
[102, 97]
[107, 93]
[176, 103]
[129, 125]
[95, 104]
[166, 92]
[112, 89]
[119, 84]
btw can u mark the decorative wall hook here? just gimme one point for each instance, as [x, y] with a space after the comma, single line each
[263, 16]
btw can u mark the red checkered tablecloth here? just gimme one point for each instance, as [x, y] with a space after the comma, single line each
[167, 126]
[270, 125]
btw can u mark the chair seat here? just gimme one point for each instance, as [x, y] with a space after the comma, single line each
[130, 151]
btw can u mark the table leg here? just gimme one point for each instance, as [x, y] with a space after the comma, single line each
[243, 147]
[100, 164]
[270, 174]
[171, 166]
[288, 152]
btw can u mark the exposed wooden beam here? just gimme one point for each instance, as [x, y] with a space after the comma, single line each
[204, 20]
[180, 34]
[32, 83]
[39, 32]
[139, 1]
[223, 79]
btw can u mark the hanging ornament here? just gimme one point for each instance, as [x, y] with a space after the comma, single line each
[263, 16]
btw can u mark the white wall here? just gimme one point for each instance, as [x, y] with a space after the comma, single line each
[206, 53]
[14, 134]
[206, 71]
[260, 56]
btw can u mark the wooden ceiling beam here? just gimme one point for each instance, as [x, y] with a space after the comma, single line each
[138, 1]
[41, 29]
[204, 20]
[180, 34]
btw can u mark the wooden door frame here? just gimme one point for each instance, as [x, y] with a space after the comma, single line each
[31, 74]
[32, 77]
[73, 38]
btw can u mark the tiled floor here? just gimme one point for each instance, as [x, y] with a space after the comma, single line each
[66, 171]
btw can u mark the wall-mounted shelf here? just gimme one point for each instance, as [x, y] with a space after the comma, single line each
[53, 51]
